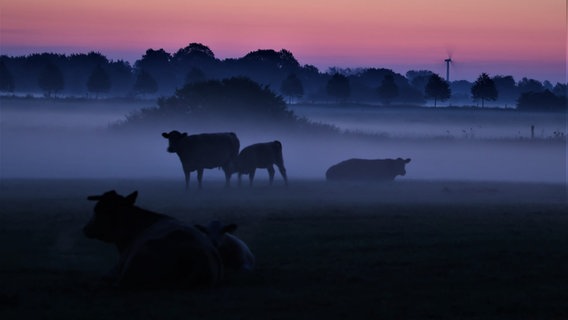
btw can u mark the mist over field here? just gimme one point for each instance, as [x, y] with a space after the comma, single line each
[75, 142]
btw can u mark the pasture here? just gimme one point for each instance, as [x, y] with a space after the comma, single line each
[411, 249]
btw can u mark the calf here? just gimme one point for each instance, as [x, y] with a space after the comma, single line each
[155, 250]
[204, 151]
[235, 254]
[263, 156]
[369, 170]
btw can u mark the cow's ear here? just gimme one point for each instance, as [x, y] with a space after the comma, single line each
[230, 228]
[201, 228]
[94, 198]
[184, 134]
[407, 160]
[131, 198]
[165, 135]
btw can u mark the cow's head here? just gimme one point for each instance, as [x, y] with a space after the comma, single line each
[215, 231]
[401, 163]
[110, 211]
[174, 139]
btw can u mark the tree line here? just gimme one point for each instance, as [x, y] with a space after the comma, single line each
[159, 73]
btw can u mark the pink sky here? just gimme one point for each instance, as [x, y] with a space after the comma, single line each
[517, 37]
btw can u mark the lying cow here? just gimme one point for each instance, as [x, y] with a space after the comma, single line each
[155, 250]
[262, 156]
[204, 151]
[235, 254]
[365, 169]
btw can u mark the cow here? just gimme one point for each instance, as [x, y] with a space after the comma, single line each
[367, 169]
[155, 250]
[204, 151]
[234, 252]
[263, 156]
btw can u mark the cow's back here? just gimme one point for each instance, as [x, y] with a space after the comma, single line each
[259, 155]
[210, 150]
[363, 170]
[170, 253]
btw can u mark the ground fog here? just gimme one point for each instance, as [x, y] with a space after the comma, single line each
[37, 143]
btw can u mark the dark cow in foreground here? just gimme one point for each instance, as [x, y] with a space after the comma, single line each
[367, 169]
[234, 252]
[263, 156]
[204, 151]
[155, 250]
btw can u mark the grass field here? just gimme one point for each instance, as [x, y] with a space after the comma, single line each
[410, 249]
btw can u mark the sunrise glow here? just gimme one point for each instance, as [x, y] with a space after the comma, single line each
[518, 37]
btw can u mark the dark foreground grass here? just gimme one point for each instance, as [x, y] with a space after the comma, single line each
[408, 250]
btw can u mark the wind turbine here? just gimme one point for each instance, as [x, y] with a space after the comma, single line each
[448, 62]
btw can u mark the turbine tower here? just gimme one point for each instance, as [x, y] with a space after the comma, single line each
[448, 61]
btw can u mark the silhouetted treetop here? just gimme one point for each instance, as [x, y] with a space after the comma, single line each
[233, 97]
[50, 79]
[338, 87]
[437, 89]
[484, 88]
[388, 90]
[99, 81]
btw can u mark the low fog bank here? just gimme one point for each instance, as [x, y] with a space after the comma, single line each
[61, 141]
[99, 153]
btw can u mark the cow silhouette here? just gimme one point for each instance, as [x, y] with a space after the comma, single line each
[204, 151]
[367, 169]
[261, 156]
[234, 252]
[155, 250]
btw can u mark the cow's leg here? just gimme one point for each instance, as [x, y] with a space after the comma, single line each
[270, 174]
[186, 172]
[227, 176]
[199, 177]
[251, 176]
[283, 173]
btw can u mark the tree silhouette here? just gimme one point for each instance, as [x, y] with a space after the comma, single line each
[99, 81]
[437, 89]
[195, 75]
[388, 89]
[145, 83]
[292, 87]
[6, 79]
[50, 79]
[484, 88]
[338, 87]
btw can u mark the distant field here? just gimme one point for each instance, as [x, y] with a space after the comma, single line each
[411, 249]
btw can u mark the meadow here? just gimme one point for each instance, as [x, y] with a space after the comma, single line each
[475, 230]
[402, 250]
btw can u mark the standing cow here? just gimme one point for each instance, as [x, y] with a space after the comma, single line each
[155, 250]
[263, 156]
[204, 151]
[234, 252]
[368, 170]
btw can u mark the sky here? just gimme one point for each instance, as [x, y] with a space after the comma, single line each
[523, 38]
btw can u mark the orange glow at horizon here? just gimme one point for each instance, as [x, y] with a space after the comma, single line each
[357, 33]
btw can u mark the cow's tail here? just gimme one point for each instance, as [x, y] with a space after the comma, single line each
[277, 146]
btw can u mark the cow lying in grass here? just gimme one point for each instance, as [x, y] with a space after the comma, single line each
[262, 156]
[234, 252]
[155, 250]
[367, 170]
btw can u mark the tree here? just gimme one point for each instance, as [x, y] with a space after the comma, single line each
[338, 87]
[6, 79]
[507, 88]
[541, 101]
[484, 88]
[145, 83]
[388, 89]
[99, 81]
[292, 87]
[530, 85]
[195, 75]
[50, 79]
[437, 88]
